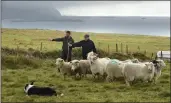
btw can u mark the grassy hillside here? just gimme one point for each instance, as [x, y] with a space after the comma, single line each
[18, 68]
[32, 39]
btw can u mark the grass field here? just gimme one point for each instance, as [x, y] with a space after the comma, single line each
[17, 70]
[32, 39]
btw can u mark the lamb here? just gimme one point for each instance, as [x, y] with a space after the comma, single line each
[159, 65]
[134, 71]
[97, 65]
[64, 67]
[81, 67]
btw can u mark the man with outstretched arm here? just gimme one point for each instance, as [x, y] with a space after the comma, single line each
[86, 44]
[66, 51]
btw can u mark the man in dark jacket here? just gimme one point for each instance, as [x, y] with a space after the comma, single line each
[86, 44]
[66, 51]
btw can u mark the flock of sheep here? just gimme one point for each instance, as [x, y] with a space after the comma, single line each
[111, 69]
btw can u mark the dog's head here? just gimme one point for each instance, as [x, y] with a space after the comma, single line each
[28, 86]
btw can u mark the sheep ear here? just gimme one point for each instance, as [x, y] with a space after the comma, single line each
[32, 83]
[95, 54]
[146, 64]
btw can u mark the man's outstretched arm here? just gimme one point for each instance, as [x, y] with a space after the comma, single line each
[77, 44]
[57, 39]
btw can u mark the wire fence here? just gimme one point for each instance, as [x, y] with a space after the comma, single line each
[117, 48]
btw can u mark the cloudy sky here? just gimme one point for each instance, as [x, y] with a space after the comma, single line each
[117, 8]
[62, 15]
[86, 8]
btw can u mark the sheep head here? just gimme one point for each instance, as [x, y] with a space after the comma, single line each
[59, 62]
[150, 66]
[74, 65]
[90, 54]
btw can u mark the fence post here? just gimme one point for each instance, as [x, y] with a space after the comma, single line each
[156, 57]
[108, 49]
[121, 48]
[17, 47]
[161, 55]
[151, 55]
[127, 49]
[116, 47]
[145, 52]
[41, 46]
[138, 48]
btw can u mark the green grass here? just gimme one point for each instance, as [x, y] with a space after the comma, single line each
[17, 70]
[24, 38]
[16, 74]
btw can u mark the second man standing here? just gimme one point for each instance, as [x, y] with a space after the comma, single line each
[86, 44]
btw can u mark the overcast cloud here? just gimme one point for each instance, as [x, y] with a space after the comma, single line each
[68, 15]
[51, 10]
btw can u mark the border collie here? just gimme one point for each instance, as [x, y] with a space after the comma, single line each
[30, 89]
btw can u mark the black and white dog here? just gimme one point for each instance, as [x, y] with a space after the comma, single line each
[30, 89]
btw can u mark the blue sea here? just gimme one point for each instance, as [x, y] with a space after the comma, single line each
[157, 26]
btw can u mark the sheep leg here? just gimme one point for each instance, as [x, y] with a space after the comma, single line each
[156, 77]
[75, 76]
[104, 76]
[58, 70]
[64, 76]
[127, 82]
[108, 79]
[80, 75]
[155, 80]
[85, 75]
[98, 76]
[94, 76]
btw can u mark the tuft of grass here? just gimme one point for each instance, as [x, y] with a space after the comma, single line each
[165, 94]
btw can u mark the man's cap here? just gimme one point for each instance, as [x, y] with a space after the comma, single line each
[68, 32]
[86, 36]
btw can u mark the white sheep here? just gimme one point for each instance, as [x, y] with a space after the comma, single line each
[140, 71]
[63, 67]
[114, 69]
[159, 65]
[82, 67]
[97, 65]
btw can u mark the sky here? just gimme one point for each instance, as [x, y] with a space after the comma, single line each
[89, 8]
[61, 15]
[117, 8]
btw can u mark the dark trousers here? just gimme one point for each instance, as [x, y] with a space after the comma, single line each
[84, 56]
[66, 56]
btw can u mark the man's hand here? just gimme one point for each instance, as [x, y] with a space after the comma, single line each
[70, 45]
[50, 39]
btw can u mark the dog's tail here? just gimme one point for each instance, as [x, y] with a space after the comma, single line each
[61, 94]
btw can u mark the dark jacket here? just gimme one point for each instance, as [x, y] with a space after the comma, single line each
[65, 41]
[87, 46]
